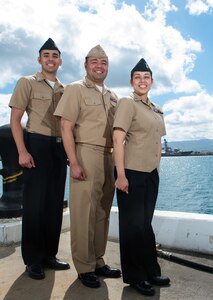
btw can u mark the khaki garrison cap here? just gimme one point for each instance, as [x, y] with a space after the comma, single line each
[97, 52]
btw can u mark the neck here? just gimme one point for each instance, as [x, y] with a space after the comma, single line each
[99, 83]
[144, 97]
[49, 76]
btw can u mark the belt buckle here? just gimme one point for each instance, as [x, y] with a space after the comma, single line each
[111, 150]
[58, 139]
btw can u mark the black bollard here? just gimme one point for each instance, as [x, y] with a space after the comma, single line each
[12, 173]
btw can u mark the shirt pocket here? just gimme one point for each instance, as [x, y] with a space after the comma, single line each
[41, 101]
[92, 101]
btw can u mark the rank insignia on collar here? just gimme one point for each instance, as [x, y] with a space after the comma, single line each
[158, 111]
[113, 99]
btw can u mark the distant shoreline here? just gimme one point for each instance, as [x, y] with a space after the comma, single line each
[182, 154]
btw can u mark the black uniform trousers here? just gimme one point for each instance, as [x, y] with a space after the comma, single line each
[43, 198]
[137, 239]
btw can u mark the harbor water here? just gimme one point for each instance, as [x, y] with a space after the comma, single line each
[186, 184]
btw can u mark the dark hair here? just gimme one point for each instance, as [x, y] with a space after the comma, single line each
[132, 73]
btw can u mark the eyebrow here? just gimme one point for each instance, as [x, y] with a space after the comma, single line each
[101, 59]
[139, 73]
[47, 53]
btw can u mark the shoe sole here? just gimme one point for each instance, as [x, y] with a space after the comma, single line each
[146, 293]
[56, 268]
[160, 283]
[34, 276]
[108, 276]
[95, 285]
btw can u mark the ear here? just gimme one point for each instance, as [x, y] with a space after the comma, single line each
[61, 61]
[39, 60]
[131, 82]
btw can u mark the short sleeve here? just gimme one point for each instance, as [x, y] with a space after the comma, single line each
[124, 114]
[21, 95]
[69, 104]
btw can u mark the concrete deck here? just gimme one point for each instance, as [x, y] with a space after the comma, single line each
[186, 283]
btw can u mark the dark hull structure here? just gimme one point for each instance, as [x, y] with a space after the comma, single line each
[179, 153]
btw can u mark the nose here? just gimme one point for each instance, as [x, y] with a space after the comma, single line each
[98, 65]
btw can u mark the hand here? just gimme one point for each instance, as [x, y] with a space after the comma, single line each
[122, 184]
[26, 160]
[77, 172]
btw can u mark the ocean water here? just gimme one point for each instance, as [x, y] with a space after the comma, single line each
[186, 184]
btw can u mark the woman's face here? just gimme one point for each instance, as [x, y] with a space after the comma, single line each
[141, 82]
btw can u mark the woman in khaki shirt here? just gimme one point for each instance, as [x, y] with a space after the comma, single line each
[138, 127]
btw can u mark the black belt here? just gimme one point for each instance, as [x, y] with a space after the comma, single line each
[57, 139]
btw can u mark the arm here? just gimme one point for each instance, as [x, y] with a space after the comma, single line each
[121, 182]
[76, 171]
[25, 158]
[159, 156]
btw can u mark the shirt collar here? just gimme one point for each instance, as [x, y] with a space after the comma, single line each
[40, 77]
[137, 98]
[90, 84]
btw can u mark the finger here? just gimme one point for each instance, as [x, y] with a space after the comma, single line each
[32, 163]
[126, 190]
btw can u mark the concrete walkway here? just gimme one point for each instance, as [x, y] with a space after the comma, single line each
[186, 283]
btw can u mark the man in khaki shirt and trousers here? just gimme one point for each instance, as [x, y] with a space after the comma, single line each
[86, 109]
[43, 159]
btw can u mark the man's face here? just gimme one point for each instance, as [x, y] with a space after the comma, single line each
[97, 69]
[50, 61]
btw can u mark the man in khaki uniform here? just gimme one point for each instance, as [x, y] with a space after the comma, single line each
[43, 159]
[86, 109]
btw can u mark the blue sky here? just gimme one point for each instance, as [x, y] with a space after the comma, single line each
[173, 36]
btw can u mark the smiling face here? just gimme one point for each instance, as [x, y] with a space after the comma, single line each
[97, 69]
[50, 61]
[141, 82]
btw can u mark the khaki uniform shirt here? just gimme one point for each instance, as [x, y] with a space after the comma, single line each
[144, 125]
[92, 112]
[34, 95]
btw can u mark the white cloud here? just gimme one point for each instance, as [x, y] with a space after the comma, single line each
[4, 109]
[189, 117]
[76, 26]
[197, 7]
[157, 9]
[126, 34]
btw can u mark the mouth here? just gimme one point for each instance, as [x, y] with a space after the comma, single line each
[50, 65]
[99, 72]
[142, 86]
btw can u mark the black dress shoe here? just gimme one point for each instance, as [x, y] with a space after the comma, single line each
[144, 287]
[107, 271]
[35, 271]
[160, 280]
[90, 279]
[56, 264]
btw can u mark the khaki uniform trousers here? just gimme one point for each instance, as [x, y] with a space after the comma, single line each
[90, 206]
